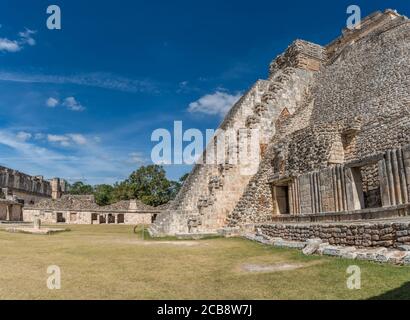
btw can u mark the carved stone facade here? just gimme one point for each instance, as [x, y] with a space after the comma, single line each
[28, 189]
[10, 210]
[334, 126]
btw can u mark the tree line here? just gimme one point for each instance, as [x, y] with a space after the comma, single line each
[148, 184]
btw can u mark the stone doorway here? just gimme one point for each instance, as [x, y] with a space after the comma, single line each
[120, 218]
[370, 183]
[281, 199]
[111, 218]
[60, 217]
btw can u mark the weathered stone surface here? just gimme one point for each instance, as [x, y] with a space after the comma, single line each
[404, 247]
[370, 254]
[406, 259]
[315, 246]
[82, 209]
[361, 235]
[289, 244]
[331, 251]
[37, 224]
[349, 254]
[30, 189]
[334, 126]
[396, 257]
[312, 246]
[338, 251]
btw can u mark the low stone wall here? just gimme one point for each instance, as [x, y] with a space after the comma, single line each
[399, 256]
[361, 235]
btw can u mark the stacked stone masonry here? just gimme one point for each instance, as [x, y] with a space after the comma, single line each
[335, 137]
[76, 209]
[28, 189]
[360, 235]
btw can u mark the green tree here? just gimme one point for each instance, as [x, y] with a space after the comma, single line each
[122, 191]
[79, 188]
[150, 185]
[104, 194]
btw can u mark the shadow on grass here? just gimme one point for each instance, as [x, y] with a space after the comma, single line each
[401, 293]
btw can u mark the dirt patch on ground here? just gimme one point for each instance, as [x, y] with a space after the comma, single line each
[276, 267]
[155, 243]
[174, 243]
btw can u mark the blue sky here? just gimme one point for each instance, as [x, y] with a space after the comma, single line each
[81, 102]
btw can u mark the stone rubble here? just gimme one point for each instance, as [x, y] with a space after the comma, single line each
[316, 246]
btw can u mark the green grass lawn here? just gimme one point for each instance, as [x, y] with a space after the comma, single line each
[111, 262]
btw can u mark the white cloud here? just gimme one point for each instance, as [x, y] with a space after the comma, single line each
[137, 158]
[78, 138]
[24, 136]
[60, 139]
[7, 45]
[96, 79]
[94, 164]
[68, 139]
[52, 102]
[31, 153]
[39, 136]
[72, 104]
[26, 38]
[217, 103]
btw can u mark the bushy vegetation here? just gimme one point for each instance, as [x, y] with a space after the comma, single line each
[148, 184]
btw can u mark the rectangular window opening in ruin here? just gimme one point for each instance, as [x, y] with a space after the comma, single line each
[60, 217]
[120, 218]
[371, 186]
[110, 218]
[281, 199]
[73, 216]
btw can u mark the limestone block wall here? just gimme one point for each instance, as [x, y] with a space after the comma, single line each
[320, 109]
[211, 192]
[138, 218]
[10, 211]
[57, 216]
[362, 235]
[29, 198]
[369, 79]
[84, 216]
[19, 181]
[358, 106]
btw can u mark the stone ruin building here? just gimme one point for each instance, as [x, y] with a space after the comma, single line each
[28, 189]
[334, 141]
[24, 198]
[82, 209]
[18, 189]
[10, 210]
